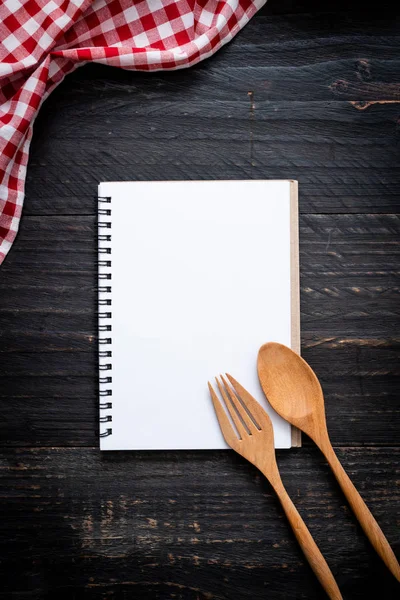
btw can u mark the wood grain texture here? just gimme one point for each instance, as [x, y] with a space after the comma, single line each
[197, 524]
[323, 108]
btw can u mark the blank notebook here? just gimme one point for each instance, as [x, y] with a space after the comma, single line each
[194, 276]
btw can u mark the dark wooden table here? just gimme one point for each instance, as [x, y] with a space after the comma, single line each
[309, 91]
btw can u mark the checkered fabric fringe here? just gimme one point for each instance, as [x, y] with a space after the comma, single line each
[43, 40]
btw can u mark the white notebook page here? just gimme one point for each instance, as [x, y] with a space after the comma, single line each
[200, 280]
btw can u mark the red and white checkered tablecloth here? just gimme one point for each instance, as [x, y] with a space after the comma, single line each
[43, 40]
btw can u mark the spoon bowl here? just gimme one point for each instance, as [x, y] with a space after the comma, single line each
[293, 389]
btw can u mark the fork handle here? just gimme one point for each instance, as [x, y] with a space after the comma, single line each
[362, 512]
[307, 544]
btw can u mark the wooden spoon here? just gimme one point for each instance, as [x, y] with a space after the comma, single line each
[293, 390]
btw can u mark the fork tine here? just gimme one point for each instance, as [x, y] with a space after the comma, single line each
[255, 409]
[238, 423]
[226, 428]
[239, 407]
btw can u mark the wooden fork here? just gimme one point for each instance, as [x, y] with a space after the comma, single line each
[254, 440]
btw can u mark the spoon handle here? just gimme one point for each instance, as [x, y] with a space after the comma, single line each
[367, 521]
[307, 544]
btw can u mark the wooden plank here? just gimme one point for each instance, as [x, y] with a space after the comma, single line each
[51, 398]
[318, 123]
[178, 524]
[278, 71]
[63, 410]
[341, 13]
[322, 190]
[347, 28]
[250, 148]
[330, 357]
[361, 237]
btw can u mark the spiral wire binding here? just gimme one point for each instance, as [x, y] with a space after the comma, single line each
[104, 314]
